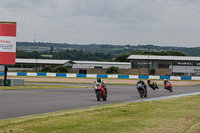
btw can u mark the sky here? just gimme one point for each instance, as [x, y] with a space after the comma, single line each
[119, 22]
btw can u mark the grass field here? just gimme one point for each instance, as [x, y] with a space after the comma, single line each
[175, 115]
[38, 86]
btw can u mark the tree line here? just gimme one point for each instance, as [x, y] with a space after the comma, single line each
[81, 55]
[105, 48]
[65, 54]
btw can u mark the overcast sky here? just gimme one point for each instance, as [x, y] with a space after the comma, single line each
[120, 22]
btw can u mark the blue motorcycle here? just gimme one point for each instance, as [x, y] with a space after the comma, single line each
[142, 91]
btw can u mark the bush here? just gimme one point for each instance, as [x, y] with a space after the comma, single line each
[60, 69]
[152, 71]
[46, 68]
[112, 70]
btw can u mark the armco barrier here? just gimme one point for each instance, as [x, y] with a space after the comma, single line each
[91, 76]
[164, 77]
[175, 78]
[81, 75]
[1, 73]
[102, 76]
[41, 74]
[61, 75]
[21, 74]
[143, 77]
[195, 78]
[123, 76]
[185, 78]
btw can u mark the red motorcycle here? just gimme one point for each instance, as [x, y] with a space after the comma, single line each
[168, 86]
[100, 92]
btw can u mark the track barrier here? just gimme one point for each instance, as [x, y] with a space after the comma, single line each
[101, 76]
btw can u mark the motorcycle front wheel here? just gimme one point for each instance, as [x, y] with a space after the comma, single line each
[105, 97]
[98, 95]
[170, 89]
[141, 93]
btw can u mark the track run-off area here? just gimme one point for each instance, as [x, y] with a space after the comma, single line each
[18, 103]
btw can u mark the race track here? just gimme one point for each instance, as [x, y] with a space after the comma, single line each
[17, 103]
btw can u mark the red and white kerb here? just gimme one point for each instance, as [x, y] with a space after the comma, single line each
[7, 42]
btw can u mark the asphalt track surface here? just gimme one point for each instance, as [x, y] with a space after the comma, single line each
[18, 103]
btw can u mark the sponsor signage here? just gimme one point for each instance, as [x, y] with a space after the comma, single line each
[7, 43]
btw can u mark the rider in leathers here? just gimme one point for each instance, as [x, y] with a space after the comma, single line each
[142, 82]
[100, 81]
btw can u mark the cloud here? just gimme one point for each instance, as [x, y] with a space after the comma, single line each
[161, 22]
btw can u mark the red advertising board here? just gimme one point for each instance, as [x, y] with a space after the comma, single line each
[7, 43]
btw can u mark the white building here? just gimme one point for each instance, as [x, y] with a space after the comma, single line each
[179, 65]
[98, 64]
[30, 64]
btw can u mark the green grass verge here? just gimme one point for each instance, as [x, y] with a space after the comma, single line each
[39, 86]
[192, 84]
[174, 115]
[77, 82]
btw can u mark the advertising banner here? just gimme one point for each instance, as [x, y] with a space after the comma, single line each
[7, 43]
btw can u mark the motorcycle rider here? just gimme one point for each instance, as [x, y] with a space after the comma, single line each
[142, 82]
[154, 83]
[165, 82]
[100, 81]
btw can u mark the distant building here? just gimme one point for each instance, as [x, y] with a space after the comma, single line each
[32, 64]
[100, 64]
[178, 65]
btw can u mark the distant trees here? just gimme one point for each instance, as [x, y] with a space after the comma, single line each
[112, 70]
[58, 69]
[122, 58]
[114, 50]
[96, 52]
[152, 71]
[65, 54]
[29, 55]
[46, 68]
[80, 55]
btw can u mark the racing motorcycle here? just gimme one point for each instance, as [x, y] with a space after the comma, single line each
[153, 85]
[168, 86]
[100, 92]
[142, 91]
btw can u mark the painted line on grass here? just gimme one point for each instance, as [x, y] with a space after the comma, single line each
[165, 97]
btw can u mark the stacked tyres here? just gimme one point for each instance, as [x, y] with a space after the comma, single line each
[7, 43]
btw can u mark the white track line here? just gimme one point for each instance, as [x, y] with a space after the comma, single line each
[165, 97]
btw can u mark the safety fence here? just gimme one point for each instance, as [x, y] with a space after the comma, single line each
[102, 76]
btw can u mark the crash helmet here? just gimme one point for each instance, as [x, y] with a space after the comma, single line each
[98, 79]
[139, 80]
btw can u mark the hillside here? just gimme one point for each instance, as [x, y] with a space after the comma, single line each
[104, 48]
